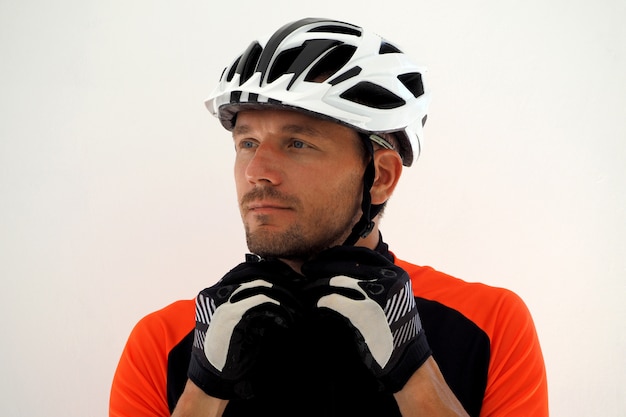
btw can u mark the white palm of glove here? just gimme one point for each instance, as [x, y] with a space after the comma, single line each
[382, 328]
[223, 319]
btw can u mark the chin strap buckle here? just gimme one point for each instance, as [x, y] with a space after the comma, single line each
[367, 229]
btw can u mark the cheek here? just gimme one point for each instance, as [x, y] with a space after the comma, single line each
[240, 179]
[347, 191]
[238, 168]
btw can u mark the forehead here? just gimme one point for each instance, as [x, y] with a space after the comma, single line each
[289, 121]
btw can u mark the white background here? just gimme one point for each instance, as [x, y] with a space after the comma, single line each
[116, 191]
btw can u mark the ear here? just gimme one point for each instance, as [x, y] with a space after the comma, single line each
[388, 170]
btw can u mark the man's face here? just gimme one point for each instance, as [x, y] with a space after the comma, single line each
[299, 182]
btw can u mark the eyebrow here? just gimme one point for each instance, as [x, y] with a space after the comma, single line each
[292, 128]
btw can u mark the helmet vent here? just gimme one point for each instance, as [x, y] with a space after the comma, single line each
[282, 63]
[372, 95]
[247, 63]
[231, 72]
[330, 63]
[387, 48]
[413, 82]
[337, 29]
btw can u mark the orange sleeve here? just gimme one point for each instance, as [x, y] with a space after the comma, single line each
[516, 383]
[139, 386]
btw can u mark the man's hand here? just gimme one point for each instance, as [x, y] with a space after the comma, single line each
[235, 318]
[375, 299]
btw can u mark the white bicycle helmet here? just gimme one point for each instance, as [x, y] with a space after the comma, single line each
[334, 70]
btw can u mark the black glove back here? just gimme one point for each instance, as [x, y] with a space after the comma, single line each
[375, 298]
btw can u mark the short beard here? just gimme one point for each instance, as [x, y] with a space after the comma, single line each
[292, 244]
[297, 243]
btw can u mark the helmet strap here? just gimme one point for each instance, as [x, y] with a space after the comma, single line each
[365, 225]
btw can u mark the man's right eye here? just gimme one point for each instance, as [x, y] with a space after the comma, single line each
[246, 144]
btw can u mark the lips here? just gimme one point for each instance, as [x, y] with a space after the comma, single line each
[266, 200]
[265, 206]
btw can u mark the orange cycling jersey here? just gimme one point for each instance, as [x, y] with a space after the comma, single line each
[482, 338]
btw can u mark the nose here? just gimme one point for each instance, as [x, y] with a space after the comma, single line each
[264, 167]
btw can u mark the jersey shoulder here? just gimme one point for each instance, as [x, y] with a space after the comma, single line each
[169, 324]
[139, 386]
[475, 300]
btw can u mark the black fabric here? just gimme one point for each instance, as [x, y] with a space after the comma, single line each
[316, 373]
[177, 363]
[460, 348]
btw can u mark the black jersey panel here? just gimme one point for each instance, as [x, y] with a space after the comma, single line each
[177, 364]
[460, 348]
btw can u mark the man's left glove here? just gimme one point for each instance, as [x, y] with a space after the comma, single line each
[235, 319]
[374, 298]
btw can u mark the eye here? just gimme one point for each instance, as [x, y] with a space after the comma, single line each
[246, 144]
[298, 144]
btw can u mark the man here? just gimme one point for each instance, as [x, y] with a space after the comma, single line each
[324, 320]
